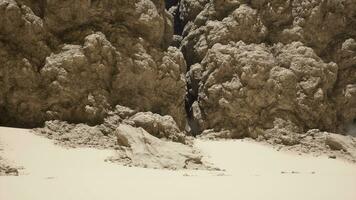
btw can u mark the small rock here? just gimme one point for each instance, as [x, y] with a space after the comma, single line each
[288, 140]
[185, 174]
[334, 143]
[12, 171]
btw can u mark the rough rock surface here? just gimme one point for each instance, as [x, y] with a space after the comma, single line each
[103, 135]
[76, 60]
[243, 88]
[251, 62]
[231, 68]
[139, 148]
[159, 126]
[316, 23]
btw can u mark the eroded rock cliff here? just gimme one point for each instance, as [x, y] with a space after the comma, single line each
[230, 68]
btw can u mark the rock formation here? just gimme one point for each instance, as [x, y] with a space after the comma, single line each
[141, 139]
[228, 68]
[139, 148]
[75, 61]
[253, 62]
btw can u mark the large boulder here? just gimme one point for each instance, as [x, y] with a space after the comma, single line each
[76, 60]
[139, 148]
[158, 126]
[244, 88]
[297, 62]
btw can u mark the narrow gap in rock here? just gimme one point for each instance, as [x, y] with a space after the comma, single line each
[173, 7]
[171, 3]
[192, 127]
[351, 128]
[42, 8]
[178, 23]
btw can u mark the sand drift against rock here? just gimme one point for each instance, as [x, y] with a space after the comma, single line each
[139, 139]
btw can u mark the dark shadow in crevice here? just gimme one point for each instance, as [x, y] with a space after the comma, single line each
[193, 127]
[173, 7]
[351, 128]
[171, 3]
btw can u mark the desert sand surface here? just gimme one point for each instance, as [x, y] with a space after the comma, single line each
[252, 171]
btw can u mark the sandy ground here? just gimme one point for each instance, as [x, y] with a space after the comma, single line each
[253, 171]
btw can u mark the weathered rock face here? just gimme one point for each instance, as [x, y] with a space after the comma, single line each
[253, 62]
[242, 24]
[139, 148]
[138, 16]
[189, 9]
[345, 89]
[159, 126]
[316, 23]
[249, 64]
[245, 87]
[75, 60]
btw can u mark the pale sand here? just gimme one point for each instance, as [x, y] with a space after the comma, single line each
[253, 171]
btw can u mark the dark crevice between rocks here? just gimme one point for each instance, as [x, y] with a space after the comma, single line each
[351, 128]
[173, 7]
[171, 3]
[193, 127]
[42, 8]
[191, 98]
[178, 23]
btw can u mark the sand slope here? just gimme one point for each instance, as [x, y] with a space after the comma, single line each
[253, 171]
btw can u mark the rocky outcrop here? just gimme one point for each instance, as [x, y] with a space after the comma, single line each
[141, 139]
[75, 60]
[103, 136]
[243, 88]
[159, 126]
[253, 62]
[345, 89]
[139, 148]
[315, 23]
[242, 66]
[243, 24]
